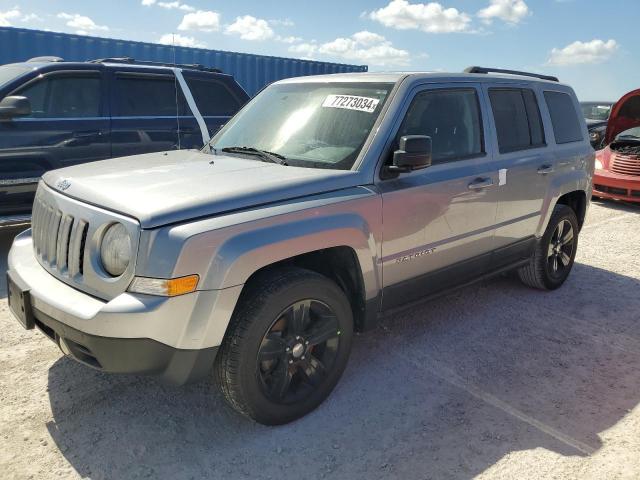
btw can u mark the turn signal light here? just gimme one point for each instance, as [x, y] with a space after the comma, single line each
[164, 287]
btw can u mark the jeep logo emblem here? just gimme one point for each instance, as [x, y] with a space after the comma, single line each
[63, 184]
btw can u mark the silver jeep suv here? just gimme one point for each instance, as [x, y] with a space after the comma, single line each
[325, 201]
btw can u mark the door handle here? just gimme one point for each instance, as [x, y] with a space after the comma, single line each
[545, 169]
[480, 183]
[87, 134]
[82, 138]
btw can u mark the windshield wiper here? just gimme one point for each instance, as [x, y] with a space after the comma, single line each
[264, 155]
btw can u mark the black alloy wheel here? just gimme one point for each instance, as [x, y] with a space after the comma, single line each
[298, 351]
[286, 346]
[560, 250]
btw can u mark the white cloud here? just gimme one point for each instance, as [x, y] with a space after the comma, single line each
[81, 23]
[6, 17]
[363, 46]
[429, 17]
[250, 28]
[148, 3]
[176, 4]
[290, 39]
[285, 22]
[576, 53]
[31, 17]
[180, 40]
[510, 11]
[202, 20]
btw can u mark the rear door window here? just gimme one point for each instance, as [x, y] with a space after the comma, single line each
[517, 119]
[564, 117]
[147, 95]
[64, 96]
[213, 98]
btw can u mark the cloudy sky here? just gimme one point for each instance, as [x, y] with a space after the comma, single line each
[590, 44]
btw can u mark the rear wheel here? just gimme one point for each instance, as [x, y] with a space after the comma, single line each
[287, 346]
[553, 258]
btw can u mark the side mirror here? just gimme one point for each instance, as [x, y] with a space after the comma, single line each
[414, 153]
[14, 106]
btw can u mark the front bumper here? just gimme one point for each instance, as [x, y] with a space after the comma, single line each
[176, 338]
[619, 187]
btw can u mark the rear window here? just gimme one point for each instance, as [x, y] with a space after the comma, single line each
[147, 96]
[564, 118]
[213, 98]
[517, 118]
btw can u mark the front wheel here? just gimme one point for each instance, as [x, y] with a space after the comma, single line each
[286, 347]
[553, 258]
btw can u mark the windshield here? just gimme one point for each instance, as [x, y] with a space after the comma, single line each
[631, 134]
[596, 110]
[318, 125]
[9, 72]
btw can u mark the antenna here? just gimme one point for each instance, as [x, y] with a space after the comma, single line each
[175, 87]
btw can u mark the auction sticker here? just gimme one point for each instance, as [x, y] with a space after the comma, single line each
[350, 102]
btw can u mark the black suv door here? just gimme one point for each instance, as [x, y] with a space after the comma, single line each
[68, 124]
[144, 112]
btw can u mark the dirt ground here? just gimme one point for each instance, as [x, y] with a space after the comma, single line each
[495, 381]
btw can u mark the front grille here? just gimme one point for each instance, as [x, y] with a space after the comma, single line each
[625, 164]
[58, 238]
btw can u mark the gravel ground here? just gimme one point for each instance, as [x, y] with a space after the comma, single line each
[493, 381]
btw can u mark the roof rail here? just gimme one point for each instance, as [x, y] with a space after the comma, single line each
[132, 61]
[45, 59]
[510, 72]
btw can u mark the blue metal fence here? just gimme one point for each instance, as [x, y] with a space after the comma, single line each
[251, 71]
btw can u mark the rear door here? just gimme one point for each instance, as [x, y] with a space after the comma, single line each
[68, 124]
[217, 100]
[145, 107]
[525, 167]
[439, 221]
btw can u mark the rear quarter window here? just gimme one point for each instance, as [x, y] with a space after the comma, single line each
[564, 117]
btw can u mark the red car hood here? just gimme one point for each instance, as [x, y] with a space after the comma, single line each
[624, 115]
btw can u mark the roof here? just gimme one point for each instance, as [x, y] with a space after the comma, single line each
[393, 77]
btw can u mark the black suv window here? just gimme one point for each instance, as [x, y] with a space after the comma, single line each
[451, 118]
[147, 95]
[64, 96]
[213, 98]
[517, 118]
[564, 118]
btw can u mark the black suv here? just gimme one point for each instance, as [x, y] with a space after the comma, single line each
[55, 114]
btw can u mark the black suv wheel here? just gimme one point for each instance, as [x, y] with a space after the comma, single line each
[287, 346]
[553, 258]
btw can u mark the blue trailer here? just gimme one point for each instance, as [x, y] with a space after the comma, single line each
[251, 71]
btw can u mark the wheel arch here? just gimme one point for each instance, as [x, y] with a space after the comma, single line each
[341, 265]
[577, 201]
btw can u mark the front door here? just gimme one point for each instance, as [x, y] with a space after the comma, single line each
[68, 124]
[438, 222]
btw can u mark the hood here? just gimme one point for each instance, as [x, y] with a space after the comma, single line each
[168, 187]
[625, 114]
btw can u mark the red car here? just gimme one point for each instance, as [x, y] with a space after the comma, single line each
[617, 173]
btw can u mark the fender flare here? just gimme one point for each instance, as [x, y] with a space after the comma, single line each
[242, 255]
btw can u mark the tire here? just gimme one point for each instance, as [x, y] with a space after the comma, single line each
[264, 368]
[543, 270]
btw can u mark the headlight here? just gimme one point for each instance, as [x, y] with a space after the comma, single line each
[599, 165]
[115, 250]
